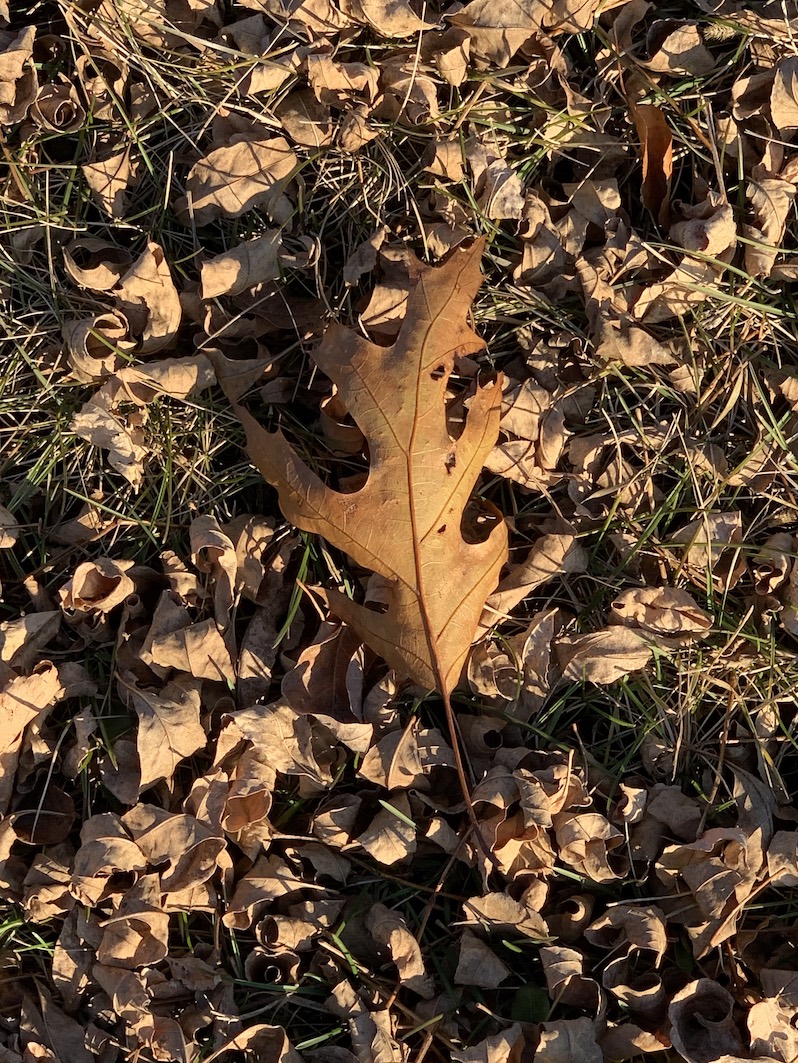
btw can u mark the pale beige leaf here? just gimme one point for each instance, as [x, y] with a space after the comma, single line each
[372, 1032]
[241, 176]
[586, 841]
[9, 529]
[499, 912]
[390, 838]
[419, 476]
[22, 641]
[568, 1041]
[97, 586]
[22, 699]
[184, 850]
[566, 981]
[390, 18]
[632, 346]
[270, 878]
[676, 47]
[269, 1044]
[136, 935]
[713, 549]
[96, 264]
[95, 345]
[124, 443]
[702, 1023]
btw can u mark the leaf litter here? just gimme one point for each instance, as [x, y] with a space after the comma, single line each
[462, 725]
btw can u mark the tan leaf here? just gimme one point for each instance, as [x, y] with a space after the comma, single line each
[390, 931]
[137, 934]
[713, 550]
[404, 759]
[109, 179]
[95, 345]
[96, 264]
[22, 698]
[183, 849]
[270, 878]
[372, 1032]
[664, 613]
[9, 529]
[247, 264]
[676, 47]
[390, 837]
[632, 346]
[771, 201]
[601, 657]
[147, 296]
[478, 964]
[498, 912]
[771, 1026]
[169, 726]
[390, 18]
[195, 648]
[103, 75]
[586, 841]
[104, 429]
[565, 978]
[702, 1023]
[419, 476]
[269, 1044]
[240, 176]
[18, 82]
[656, 148]
[784, 95]
[336, 83]
[22, 641]
[505, 1047]
[306, 121]
[97, 586]
[635, 926]
[568, 1041]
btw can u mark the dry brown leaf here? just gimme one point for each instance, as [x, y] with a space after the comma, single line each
[586, 841]
[601, 657]
[390, 932]
[676, 47]
[95, 345]
[618, 341]
[22, 641]
[771, 201]
[97, 587]
[497, 912]
[702, 1024]
[239, 176]
[103, 76]
[58, 109]
[478, 964]
[169, 726]
[147, 296]
[656, 148]
[372, 1032]
[421, 478]
[784, 95]
[335, 84]
[664, 613]
[390, 18]
[109, 179]
[269, 1044]
[713, 550]
[9, 529]
[568, 1041]
[390, 838]
[22, 699]
[18, 83]
[270, 878]
[566, 981]
[96, 264]
[505, 1047]
[137, 934]
[247, 264]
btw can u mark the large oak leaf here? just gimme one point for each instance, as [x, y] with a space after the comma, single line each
[405, 523]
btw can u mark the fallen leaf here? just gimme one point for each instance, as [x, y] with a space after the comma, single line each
[478, 964]
[784, 95]
[656, 148]
[505, 1047]
[601, 657]
[664, 613]
[18, 82]
[109, 179]
[771, 200]
[390, 931]
[702, 1023]
[147, 296]
[169, 726]
[423, 634]
[713, 550]
[240, 176]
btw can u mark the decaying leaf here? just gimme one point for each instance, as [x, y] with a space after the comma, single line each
[656, 146]
[419, 477]
[240, 176]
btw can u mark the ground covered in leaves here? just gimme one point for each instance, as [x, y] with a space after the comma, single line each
[231, 824]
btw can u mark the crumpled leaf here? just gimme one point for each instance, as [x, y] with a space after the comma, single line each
[169, 726]
[702, 1023]
[147, 296]
[390, 931]
[656, 147]
[423, 634]
[505, 1047]
[664, 613]
[601, 657]
[18, 82]
[239, 176]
